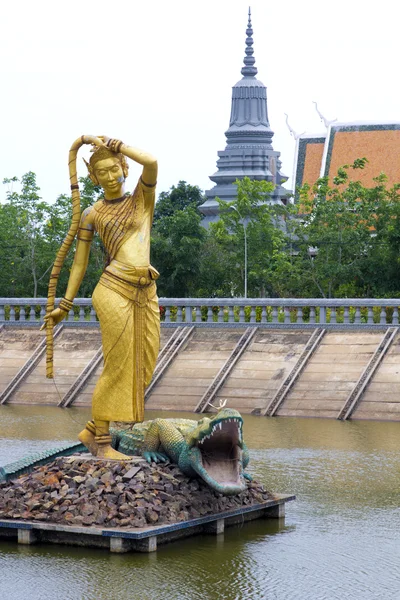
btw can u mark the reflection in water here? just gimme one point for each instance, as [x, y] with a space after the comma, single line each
[340, 539]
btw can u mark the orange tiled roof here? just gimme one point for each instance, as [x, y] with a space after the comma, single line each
[309, 153]
[379, 143]
[318, 156]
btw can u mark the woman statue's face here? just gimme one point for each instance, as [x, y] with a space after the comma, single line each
[110, 176]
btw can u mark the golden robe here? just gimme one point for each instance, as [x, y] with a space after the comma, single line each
[126, 303]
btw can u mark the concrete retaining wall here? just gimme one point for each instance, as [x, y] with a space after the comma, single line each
[321, 389]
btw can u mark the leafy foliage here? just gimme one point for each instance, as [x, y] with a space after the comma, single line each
[340, 239]
[249, 225]
[177, 240]
[177, 198]
[340, 232]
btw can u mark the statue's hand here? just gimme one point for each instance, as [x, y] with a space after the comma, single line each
[56, 315]
[104, 138]
[111, 143]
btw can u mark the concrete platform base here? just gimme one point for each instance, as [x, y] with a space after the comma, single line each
[139, 540]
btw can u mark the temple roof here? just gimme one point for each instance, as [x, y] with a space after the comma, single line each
[320, 155]
[308, 159]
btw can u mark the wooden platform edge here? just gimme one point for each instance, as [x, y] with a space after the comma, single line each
[144, 539]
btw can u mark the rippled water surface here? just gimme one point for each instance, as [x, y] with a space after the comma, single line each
[340, 540]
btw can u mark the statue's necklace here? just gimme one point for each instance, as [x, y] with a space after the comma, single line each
[116, 200]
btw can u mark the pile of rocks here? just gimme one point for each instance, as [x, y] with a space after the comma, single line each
[79, 490]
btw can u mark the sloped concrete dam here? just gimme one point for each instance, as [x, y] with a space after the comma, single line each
[272, 372]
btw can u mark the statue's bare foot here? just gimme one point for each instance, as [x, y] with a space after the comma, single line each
[107, 451]
[88, 439]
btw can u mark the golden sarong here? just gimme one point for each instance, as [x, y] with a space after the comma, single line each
[125, 300]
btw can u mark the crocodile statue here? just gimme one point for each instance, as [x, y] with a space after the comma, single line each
[211, 448]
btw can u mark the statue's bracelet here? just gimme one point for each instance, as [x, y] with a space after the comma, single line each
[66, 304]
[115, 145]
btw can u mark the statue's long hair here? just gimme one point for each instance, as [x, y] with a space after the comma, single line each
[67, 243]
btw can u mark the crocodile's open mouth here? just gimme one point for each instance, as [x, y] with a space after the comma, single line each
[221, 453]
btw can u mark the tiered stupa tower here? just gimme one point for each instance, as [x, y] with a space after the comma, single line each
[249, 151]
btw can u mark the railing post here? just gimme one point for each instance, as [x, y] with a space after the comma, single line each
[231, 315]
[322, 315]
[42, 313]
[241, 314]
[188, 314]
[287, 314]
[312, 314]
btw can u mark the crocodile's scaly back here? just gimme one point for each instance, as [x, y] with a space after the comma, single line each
[131, 441]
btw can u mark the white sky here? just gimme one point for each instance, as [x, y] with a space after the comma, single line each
[158, 75]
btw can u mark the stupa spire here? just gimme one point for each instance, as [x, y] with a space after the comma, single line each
[248, 151]
[249, 70]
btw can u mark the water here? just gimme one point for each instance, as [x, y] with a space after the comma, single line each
[341, 538]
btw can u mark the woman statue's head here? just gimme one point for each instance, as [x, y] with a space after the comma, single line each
[108, 169]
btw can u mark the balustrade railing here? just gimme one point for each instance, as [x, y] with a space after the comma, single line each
[267, 312]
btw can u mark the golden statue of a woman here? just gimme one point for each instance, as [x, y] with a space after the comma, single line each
[125, 298]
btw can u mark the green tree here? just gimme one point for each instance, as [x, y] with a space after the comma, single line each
[381, 272]
[11, 245]
[250, 222]
[176, 246]
[33, 252]
[333, 234]
[31, 232]
[177, 198]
